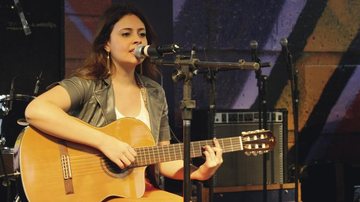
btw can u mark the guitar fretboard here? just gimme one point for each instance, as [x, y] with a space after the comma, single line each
[156, 154]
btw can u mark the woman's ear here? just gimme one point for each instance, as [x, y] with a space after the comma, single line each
[106, 47]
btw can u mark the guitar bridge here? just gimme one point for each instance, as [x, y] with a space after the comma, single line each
[66, 168]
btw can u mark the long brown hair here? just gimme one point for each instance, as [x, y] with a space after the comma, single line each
[95, 66]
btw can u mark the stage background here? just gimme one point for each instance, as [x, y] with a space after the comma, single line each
[323, 37]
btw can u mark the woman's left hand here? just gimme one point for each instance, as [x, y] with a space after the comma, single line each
[213, 162]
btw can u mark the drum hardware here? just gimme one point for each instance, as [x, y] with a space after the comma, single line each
[22, 122]
[6, 105]
[11, 114]
[4, 109]
[7, 164]
[12, 107]
[8, 171]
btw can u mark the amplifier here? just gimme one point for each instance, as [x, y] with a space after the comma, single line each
[239, 169]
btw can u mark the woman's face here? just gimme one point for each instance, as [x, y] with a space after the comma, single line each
[127, 34]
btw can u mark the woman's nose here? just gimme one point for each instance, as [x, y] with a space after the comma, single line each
[137, 40]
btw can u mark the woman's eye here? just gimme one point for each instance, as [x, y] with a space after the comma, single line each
[142, 34]
[125, 34]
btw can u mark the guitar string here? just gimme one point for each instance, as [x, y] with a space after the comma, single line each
[140, 161]
[79, 158]
[155, 152]
[81, 171]
[89, 167]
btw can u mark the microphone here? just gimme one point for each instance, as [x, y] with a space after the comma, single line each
[37, 84]
[23, 20]
[142, 51]
[284, 44]
[254, 45]
[289, 65]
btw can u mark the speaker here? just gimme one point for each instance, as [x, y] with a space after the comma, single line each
[238, 168]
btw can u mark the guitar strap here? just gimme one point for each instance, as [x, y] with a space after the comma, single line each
[69, 188]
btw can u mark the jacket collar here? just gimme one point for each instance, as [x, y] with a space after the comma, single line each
[106, 99]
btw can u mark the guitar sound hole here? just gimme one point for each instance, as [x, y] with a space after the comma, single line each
[112, 167]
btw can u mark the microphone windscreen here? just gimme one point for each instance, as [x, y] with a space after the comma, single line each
[284, 42]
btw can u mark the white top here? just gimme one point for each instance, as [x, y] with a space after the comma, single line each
[142, 116]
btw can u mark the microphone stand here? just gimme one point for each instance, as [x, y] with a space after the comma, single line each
[211, 78]
[261, 84]
[186, 73]
[185, 70]
[179, 61]
[293, 78]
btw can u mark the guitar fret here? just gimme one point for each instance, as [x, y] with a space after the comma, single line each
[180, 148]
[174, 151]
[140, 160]
[148, 156]
[137, 158]
[240, 143]
[156, 155]
[153, 156]
[192, 150]
[200, 148]
[221, 141]
[168, 154]
[231, 145]
[162, 154]
[144, 155]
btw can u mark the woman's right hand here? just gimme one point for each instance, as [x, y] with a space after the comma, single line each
[121, 153]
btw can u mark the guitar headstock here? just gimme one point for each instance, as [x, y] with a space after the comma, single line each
[257, 141]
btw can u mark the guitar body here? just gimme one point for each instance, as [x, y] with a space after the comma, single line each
[55, 170]
[91, 178]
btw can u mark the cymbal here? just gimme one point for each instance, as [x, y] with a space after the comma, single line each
[21, 97]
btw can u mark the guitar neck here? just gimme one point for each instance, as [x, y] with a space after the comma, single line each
[157, 154]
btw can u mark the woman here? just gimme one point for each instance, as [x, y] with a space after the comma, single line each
[108, 87]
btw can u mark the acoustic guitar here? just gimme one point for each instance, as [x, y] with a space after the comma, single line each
[54, 169]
